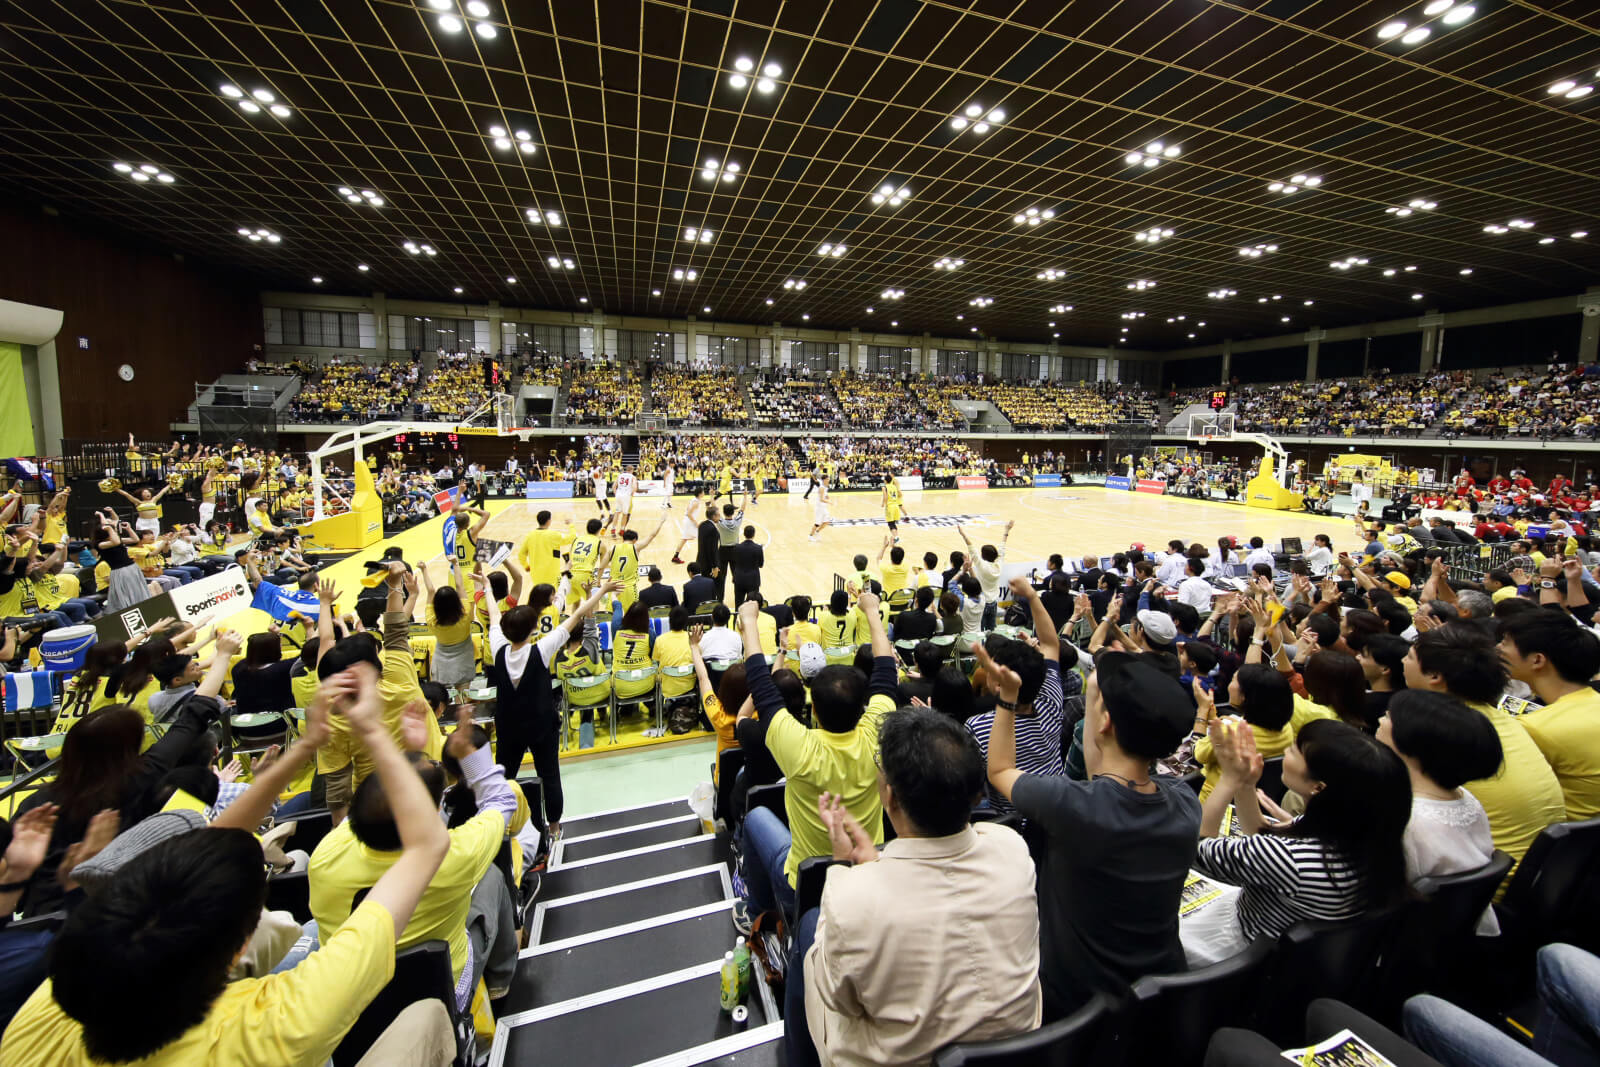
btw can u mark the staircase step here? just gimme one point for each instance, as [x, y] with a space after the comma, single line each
[585, 913]
[562, 970]
[586, 877]
[604, 842]
[583, 825]
[676, 1015]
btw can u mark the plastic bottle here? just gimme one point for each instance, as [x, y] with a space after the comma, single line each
[730, 982]
[741, 957]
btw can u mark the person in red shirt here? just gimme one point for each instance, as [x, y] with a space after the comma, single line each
[1581, 504]
[1499, 484]
[1557, 484]
[1524, 483]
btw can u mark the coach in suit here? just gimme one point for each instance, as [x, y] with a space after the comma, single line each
[699, 589]
[657, 594]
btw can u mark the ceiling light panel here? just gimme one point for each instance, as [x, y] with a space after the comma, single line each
[1153, 155]
[1033, 216]
[1258, 250]
[1295, 183]
[259, 235]
[832, 251]
[545, 217]
[1154, 235]
[746, 75]
[697, 235]
[509, 138]
[977, 119]
[946, 263]
[144, 173]
[891, 195]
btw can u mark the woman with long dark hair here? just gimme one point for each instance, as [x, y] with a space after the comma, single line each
[1334, 682]
[1339, 860]
[261, 679]
[102, 769]
[126, 585]
[455, 657]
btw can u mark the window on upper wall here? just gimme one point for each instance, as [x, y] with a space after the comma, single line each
[820, 357]
[319, 329]
[948, 361]
[889, 359]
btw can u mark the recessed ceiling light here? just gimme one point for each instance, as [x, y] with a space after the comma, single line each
[807, 317]
[1154, 235]
[691, 233]
[796, 284]
[1459, 14]
[511, 279]
[1580, 92]
[980, 301]
[1050, 275]
[681, 274]
[486, 30]
[946, 263]
[280, 111]
[1308, 303]
[832, 250]
[975, 117]
[263, 95]
[961, 318]
[707, 310]
[1435, 7]
[1578, 235]
[249, 107]
[769, 301]
[362, 267]
[1416, 296]
[1140, 285]
[1060, 309]
[1256, 251]
[1563, 86]
[894, 322]
[1416, 36]
[459, 290]
[1153, 154]
[1033, 216]
[1464, 271]
[891, 195]
[232, 92]
[316, 279]
[518, 138]
[892, 294]
[657, 292]
[1547, 240]
[712, 169]
[1390, 30]
[1222, 294]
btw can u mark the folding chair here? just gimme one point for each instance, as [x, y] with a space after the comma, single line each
[659, 621]
[634, 685]
[255, 732]
[840, 655]
[585, 693]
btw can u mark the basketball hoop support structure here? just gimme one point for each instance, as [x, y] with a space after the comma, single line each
[1218, 426]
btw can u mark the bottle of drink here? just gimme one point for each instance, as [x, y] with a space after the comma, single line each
[730, 982]
[741, 958]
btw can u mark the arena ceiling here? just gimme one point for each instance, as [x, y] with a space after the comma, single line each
[622, 104]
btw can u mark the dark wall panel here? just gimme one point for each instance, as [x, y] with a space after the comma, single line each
[175, 323]
[1508, 344]
[1187, 373]
[1272, 365]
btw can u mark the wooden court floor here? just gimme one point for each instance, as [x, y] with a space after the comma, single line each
[1071, 520]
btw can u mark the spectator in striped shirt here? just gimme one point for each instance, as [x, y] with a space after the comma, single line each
[1039, 697]
[1340, 859]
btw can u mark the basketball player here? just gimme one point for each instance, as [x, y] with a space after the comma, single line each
[688, 526]
[625, 563]
[470, 522]
[626, 482]
[600, 501]
[585, 557]
[892, 506]
[724, 483]
[820, 520]
[670, 477]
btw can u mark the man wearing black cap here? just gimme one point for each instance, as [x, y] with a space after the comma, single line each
[1121, 843]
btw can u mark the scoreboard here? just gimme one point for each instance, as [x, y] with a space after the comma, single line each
[1219, 399]
[413, 441]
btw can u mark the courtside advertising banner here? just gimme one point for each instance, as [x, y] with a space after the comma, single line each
[799, 486]
[1117, 481]
[1047, 481]
[218, 595]
[549, 490]
[966, 481]
[651, 487]
[1151, 485]
[908, 482]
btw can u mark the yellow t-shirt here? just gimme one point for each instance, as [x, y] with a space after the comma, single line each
[767, 634]
[1567, 731]
[453, 634]
[297, 1017]
[149, 560]
[397, 687]
[140, 701]
[804, 630]
[342, 866]
[1525, 796]
[466, 549]
[672, 650]
[1269, 743]
[895, 577]
[1305, 710]
[55, 527]
[815, 761]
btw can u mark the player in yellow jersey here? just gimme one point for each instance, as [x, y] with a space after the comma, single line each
[467, 531]
[541, 551]
[585, 556]
[724, 483]
[892, 510]
[625, 563]
[896, 573]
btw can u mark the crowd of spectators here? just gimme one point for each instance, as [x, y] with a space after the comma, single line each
[354, 392]
[451, 393]
[795, 403]
[891, 403]
[698, 459]
[700, 398]
[604, 395]
[865, 460]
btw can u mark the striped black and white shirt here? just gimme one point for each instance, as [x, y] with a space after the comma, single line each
[1285, 880]
[1038, 736]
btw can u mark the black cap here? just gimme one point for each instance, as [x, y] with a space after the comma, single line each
[1150, 711]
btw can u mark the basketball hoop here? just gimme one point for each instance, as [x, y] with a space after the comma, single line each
[1205, 442]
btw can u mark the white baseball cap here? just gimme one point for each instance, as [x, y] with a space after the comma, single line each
[812, 660]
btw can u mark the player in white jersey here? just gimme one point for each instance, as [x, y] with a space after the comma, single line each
[600, 502]
[821, 518]
[668, 478]
[626, 483]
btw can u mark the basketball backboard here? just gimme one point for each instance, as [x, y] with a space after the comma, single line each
[1211, 426]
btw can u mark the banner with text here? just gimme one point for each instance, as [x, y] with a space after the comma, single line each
[1151, 485]
[1117, 481]
[1047, 481]
[218, 595]
[908, 482]
[799, 486]
[278, 601]
[966, 481]
[549, 490]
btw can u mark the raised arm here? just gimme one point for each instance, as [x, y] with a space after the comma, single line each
[702, 676]
[327, 595]
[481, 582]
[515, 590]
[1044, 626]
[424, 841]
[1007, 686]
[646, 542]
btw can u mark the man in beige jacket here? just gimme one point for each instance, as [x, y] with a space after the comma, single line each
[936, 938]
